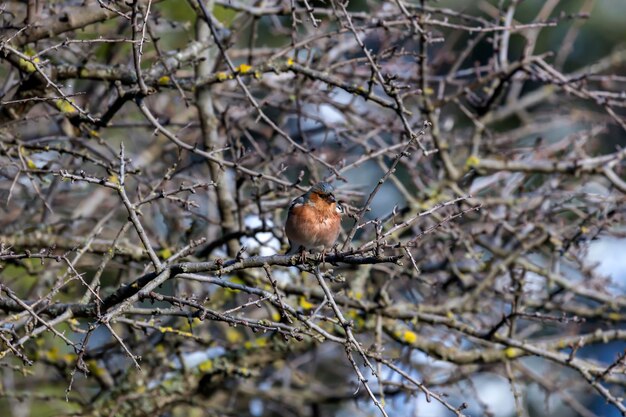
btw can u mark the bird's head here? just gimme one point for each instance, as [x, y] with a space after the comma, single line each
[322, 193]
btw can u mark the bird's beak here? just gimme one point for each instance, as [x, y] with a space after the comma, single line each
[332, 198]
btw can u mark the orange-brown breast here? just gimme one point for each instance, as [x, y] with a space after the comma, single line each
[313, 226]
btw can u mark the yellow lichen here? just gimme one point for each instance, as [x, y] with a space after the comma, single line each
[64, 106]
[93, 367]
[69, 357]
[302, 302]
[165, 253]
[614, 316]
[409, 336]
[244, 68]
[169, 329]
[260, 342]
[52, 354]
[472, 161]
[233, 336]
[28, 66]
[206, 366]
[512, 352]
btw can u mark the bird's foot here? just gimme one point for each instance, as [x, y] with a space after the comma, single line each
[302, 255]
[323, 256]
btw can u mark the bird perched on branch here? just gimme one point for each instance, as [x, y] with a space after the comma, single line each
[314, 219]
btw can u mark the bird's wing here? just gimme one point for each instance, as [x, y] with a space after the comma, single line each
[297, 202]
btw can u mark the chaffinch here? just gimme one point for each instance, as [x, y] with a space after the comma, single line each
[314, 219]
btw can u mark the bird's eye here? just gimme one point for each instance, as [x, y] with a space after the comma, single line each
[339, 208]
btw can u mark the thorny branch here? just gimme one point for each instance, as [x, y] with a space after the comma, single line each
[148, 153]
